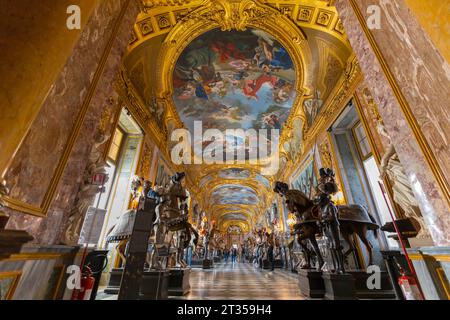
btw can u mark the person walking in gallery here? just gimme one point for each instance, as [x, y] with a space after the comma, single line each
[226, 253]
[233, 255]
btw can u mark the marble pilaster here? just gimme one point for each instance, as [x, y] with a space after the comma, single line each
[410, 82]
[86, 80]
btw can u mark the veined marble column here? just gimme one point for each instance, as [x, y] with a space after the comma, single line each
[410, 81]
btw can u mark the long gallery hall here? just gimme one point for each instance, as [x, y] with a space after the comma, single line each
[224, 150]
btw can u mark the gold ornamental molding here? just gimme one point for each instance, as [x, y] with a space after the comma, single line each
[159, 17]
[42, 209]
[338, 100]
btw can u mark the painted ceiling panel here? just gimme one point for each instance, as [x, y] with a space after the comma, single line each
[234, 194]
[234, 216]
[234, 173]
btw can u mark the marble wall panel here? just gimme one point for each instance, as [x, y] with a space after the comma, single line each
[29, 176]
[422, 77]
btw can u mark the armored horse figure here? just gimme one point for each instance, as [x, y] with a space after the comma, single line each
[307, 216]
[172, 219]
[322, 214]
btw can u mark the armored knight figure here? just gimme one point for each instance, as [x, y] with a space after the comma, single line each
[171, 220]
[122, 230]
[328, 218]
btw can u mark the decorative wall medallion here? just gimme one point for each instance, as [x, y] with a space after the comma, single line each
[324, 18]
[180, 14]
[163, 21]
[146, 26]
[305, 14]
[339, 27]
[287, 9]
[133, 37]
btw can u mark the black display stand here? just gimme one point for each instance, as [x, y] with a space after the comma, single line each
[196, 263]
[266, 264]
[137, 252]
[115, 277]
[339, 286]
[179, 282]
[362, 290]
[207, 264]
[311, 283]
[278, 263]
[154, 285]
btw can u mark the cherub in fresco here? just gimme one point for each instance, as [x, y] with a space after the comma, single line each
[188, 91]
[282, 91]
[272, 120]
[240, 65]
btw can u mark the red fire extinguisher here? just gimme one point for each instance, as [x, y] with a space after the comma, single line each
[409, 286]
[86, 284]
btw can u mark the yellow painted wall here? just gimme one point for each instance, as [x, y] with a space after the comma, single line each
[434, 15]
[34, 46]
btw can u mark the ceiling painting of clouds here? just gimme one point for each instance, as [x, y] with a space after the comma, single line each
[234, 216]
[234, 194]
[234, 173]
[263, 180]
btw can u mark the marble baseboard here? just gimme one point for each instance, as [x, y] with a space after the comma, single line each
[432, 266]
[40, 271]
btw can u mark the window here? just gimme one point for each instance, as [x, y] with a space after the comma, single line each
[114, 149]
[362, 142]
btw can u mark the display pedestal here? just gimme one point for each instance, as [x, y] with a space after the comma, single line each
[278, 263]
[155, 285]
[179, 282]
[311, 283]
[339, 286]
[115, 278]
[196, 263]
[266, 264]
[11, 241]
[363, 292]
[207, 264]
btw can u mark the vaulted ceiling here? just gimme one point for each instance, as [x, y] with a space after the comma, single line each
[201, 60]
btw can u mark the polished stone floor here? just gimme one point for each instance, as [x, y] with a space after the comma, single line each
[242, 281]
[238, 281]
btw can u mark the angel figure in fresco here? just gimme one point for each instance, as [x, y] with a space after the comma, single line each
[188, 91]
[269, 56]
[227, 51]
[282, 91]
[272, 120]
[250, 88]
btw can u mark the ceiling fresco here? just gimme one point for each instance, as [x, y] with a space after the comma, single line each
[234, 194]
[263, 180]
[234, 216]
[232, 80]
[234, 173]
